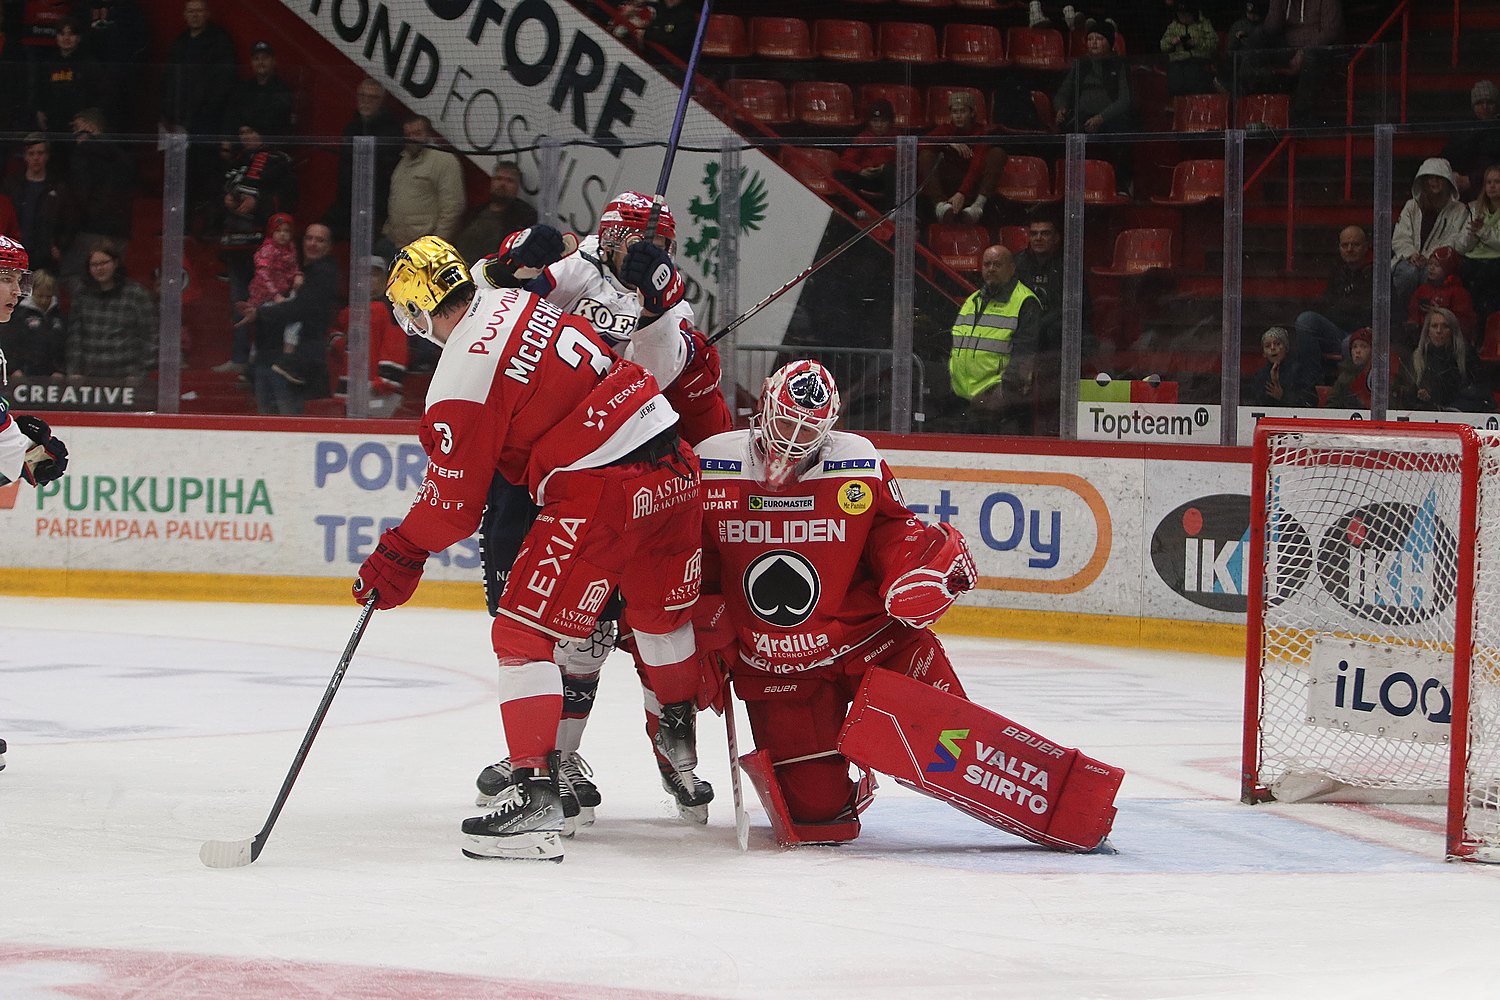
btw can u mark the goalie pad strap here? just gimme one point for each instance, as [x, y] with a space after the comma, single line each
[758, 767]
[980, 762]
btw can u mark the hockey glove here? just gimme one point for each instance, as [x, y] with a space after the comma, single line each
[392, 572]
[919, 597]
[523, 254]
[649, 269]
[47, 458]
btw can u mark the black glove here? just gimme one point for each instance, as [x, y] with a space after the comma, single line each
[649, 269]
[537, 247]
[47, 459]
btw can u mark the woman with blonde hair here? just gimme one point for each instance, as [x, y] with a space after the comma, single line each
[1444, 373]
[1479, 242]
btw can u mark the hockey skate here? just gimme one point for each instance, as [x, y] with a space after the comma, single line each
[527, 822]
[691, 793]
[2, 755]
[575, 788]
[676, 737]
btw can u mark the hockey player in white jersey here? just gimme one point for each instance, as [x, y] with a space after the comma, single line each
[627, 286]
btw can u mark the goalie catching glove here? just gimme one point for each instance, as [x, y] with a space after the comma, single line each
[649, 269]
[47, 458]
[944, 569]
[392, 572]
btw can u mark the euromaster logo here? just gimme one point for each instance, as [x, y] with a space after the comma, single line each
[947, 750]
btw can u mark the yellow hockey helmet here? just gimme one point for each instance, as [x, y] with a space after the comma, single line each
[423, 274]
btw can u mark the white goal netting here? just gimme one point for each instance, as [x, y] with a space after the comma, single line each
[1359, 653]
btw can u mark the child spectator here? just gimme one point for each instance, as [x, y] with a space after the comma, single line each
[1443, 288]
[868, 168]
[1281, 381]
[277, 273]
[1444, 373]
[1480, 244]
[1189, 43]
[388, 345]
[34, 341]
[1351, 390]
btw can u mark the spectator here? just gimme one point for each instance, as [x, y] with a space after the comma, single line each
[1351, 390]
[1095, 98]
[41, 203]
[868, 168]
[995, 337]
[277, 275]
[1308, 27]
[1432, 218]
[505, 213]
[1190, 43]
[1345, 306]
[1444, 373]
[291, 337]
[1281, 381]
[1246, 28]
[673, 28]
[1480, 244]
[372, 118]
[1444, 288]
[1470, 151]
[258, 184]
[388, 345]
[264, 97]
[111, 320]
[67, 81]
[427, 188]
[198, 74]
[962, 173]
[101, 184]
[1040, 267]
[34, 341]
[115, 35]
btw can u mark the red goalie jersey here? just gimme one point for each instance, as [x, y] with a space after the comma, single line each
[804, 570]
[524, 389]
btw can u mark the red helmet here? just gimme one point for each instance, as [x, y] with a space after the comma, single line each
[628, 215]
[13, 257]
[798, 407]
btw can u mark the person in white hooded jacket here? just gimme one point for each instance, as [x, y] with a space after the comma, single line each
[1433, 217]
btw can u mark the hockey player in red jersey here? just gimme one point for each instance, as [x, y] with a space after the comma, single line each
[826, 582]
[627, 286]
[532, 393]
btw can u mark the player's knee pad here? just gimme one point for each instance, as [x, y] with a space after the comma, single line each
[817, 789]
[518, 642]
[980, 762]
[581, 657]
[789, 832]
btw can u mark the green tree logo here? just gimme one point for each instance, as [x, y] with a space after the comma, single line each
[703, 249]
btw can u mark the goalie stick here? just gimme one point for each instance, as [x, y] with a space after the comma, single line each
[741, 819]
[239, 853]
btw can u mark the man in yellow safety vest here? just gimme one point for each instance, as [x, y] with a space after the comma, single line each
[995, 340]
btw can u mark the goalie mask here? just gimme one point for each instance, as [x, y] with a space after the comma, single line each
[798, 407]
[424, 273]
[624, 220]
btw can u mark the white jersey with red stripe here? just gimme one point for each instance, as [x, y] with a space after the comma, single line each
[525, 390]
[803, 571]
[583, 284]
[13, 447]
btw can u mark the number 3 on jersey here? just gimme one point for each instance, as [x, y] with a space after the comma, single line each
[574, 347]
[445, 431]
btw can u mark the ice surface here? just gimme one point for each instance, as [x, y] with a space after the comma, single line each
[138, 730]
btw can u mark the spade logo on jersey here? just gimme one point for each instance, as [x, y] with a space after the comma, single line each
[782, 588]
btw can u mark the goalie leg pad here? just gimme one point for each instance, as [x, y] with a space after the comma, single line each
[762, 773]
[997, 771]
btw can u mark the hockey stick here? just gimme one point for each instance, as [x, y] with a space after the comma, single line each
[818, 264]
[239, 853]
[683, 98]
[741, 820]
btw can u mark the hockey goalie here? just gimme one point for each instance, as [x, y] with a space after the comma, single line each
[820, 587]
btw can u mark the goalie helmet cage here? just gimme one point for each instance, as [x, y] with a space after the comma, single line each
[1373, 629]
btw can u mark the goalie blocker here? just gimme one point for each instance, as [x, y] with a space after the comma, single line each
[997, 771]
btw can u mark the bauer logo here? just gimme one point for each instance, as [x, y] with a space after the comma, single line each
[1391, 563]
[947, 751]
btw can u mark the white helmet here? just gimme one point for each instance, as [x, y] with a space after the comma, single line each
[798, 407]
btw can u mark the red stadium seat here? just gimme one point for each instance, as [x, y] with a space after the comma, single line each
[1200, 113]
[937, 104]
[1099, 186]
[820, 103]
[726, 37]
[978, 4]
[1138, 251]
[813, 167]
[1194, 182]
[1025, 178]
[905, 101]
[1013, 238]
[1036, 48]
[1270, 110]
[925, 3]
[759, 100]
[973, 45]
[843, 40]
[958, 245]
[781, 38]
[1044, 111]
[908, 42]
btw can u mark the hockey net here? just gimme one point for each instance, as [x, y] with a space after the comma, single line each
[1373, 653]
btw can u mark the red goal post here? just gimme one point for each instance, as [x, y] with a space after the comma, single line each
[1373, 627]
